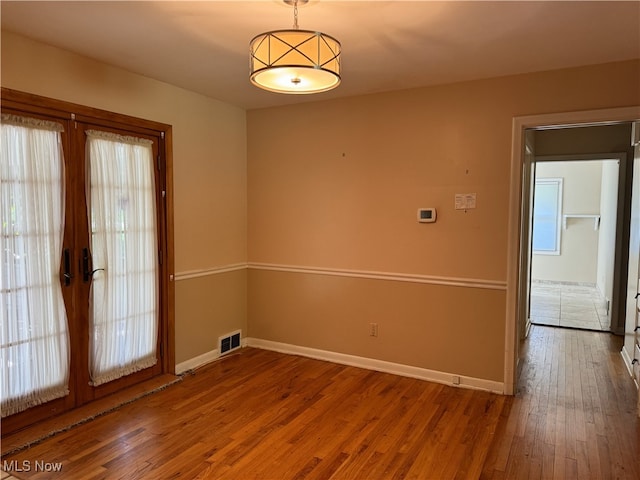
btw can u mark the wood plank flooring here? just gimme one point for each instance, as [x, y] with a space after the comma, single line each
[264, 415]
[86, 413]
[574, 416]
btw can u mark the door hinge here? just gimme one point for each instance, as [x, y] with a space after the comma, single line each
[164, 193]
[162, 135]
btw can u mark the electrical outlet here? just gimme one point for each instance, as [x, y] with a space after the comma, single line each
[456, 380]
[373, 329]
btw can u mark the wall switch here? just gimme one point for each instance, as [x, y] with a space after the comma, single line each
[373, 329]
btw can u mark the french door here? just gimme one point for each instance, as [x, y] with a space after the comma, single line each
[84, 262]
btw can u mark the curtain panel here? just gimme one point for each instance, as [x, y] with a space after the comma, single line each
[34, 337]
[123, 312]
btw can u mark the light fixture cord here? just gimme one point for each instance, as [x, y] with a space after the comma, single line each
[295, 15]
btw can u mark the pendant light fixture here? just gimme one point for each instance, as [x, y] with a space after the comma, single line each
[295, 61]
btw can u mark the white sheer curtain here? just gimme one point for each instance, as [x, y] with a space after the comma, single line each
[34, 339]
[124, 297]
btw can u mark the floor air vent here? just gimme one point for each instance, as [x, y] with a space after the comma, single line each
[229, 343]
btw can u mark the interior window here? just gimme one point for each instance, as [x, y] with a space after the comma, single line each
[547, 215]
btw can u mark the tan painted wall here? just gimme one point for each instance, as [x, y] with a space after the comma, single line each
[336, 184]
[213, 305]
[419, 325]
[209, 159]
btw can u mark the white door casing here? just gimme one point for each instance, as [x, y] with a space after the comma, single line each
[515, 293]
[631, 349]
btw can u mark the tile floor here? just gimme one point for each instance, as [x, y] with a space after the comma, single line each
[568, 305]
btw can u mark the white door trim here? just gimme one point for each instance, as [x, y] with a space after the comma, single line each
[519, 125]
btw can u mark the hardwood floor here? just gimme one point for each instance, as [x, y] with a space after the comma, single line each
[264, 415]
[575, 413]
[261, 414]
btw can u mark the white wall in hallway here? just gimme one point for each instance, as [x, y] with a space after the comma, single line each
[578, 259]
[607, 232]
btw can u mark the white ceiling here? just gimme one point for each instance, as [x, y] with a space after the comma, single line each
[387, 45]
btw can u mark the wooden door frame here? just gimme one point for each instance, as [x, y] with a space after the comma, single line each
[34, 104]
[515, 241]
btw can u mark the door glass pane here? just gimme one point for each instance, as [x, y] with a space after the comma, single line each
[34, 339]
[124, 292]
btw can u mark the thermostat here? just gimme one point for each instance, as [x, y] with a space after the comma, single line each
[426, 215]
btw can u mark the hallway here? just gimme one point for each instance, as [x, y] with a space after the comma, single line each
[574, 306]
[574, 416]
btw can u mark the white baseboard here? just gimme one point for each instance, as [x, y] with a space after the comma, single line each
[198, 361]
[627, 361]
[201, 360]
[354, 361]
[527, 329]
[380, 365]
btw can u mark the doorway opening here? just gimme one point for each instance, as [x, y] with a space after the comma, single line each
[575, 225]
[530, 139]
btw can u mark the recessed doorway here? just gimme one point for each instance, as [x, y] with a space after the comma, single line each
[573, 241]
[524, 148]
